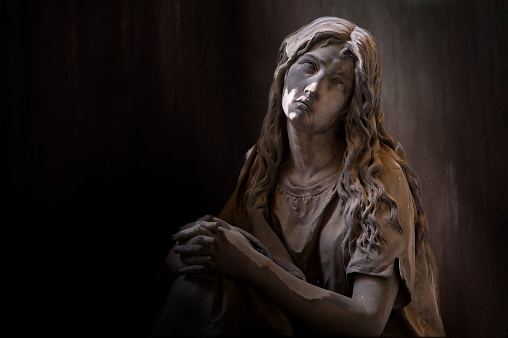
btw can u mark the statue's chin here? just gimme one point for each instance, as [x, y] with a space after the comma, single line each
[294, 115]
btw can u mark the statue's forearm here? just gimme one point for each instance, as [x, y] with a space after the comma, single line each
[323, 310]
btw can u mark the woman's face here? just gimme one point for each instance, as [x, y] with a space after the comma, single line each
[317, 88]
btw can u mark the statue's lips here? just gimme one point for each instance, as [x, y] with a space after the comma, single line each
[304, 105]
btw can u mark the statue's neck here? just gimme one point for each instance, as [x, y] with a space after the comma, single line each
[313, 157]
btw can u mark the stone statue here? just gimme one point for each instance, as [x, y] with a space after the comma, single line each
[325, 232]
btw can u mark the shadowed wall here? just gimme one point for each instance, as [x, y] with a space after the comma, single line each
[122, 122]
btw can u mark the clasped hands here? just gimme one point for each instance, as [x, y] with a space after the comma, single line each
[211, 245]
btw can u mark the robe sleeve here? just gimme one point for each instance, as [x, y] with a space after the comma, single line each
[397, 255]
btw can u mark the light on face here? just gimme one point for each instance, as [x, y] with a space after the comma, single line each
[287, 99]
[311, 88]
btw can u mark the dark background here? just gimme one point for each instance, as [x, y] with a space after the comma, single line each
[122, 121]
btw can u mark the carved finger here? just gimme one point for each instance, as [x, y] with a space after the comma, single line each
[193, 249]
[210, 226]
[191, 232]
[207, 218]
[202, 240]
[221, 223]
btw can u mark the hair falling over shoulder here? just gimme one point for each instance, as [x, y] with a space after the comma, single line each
[366, 200]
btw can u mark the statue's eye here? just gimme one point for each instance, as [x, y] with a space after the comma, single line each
[308, 67]
[337, 81]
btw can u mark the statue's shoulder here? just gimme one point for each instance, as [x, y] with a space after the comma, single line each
[388, 160]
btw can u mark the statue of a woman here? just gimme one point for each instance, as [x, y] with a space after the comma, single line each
[325, 232]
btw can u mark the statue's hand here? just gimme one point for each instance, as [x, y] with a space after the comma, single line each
[193, 244]
[214, 246]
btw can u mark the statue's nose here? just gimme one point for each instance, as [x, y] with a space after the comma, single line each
[312, 91]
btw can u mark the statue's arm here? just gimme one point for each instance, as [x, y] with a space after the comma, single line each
[364, 314]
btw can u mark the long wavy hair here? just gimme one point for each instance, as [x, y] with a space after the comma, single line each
[366, 200]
